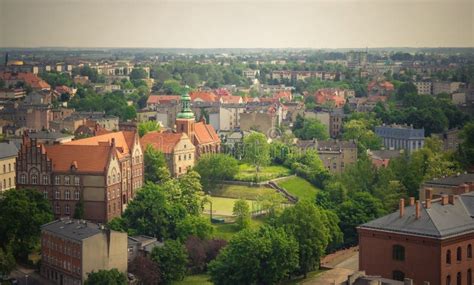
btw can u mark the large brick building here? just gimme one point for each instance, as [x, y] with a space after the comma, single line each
[427, 242]
[100, 174]
[70, 249]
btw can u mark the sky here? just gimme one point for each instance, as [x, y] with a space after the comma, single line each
[237, 24]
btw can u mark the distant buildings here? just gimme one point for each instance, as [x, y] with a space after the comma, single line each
[450, 139]
[70, 249]
[381, 158]
[401, 137]
[451, 185]
[8, 154]
[331, 96]
[425, 241]
[424, 87]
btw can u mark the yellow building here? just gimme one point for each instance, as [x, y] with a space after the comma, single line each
[8, 154]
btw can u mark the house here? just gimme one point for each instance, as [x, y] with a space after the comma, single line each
[401, 137]
[203, 96]
[27, 78]
[380, 88]
[8, 154]
[71, 249]
[178, 149]
[154, 100]
[426, 241]
[381, 158]
[450, 185]
[141, 246]
[330, 96]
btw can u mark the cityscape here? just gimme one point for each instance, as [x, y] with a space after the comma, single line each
[237, 142]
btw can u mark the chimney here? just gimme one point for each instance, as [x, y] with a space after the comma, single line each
[402, 207]
[464, 188]
[429, 193]
[417, 209]
[408, 281]
[428, 203]
[412, 201]
[451, 199]
[444, 199]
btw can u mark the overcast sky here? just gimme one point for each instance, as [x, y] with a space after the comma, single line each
[237, 24]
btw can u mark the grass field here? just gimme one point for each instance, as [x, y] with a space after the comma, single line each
[227, 230]
[224, 206]
[247, 172]
[200, 279]
[241, 191]
[299, 187]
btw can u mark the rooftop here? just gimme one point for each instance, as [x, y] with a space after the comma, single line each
[8, 149]
[454, 180]
[72, 229]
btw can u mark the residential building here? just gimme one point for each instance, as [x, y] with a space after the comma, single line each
[380, 88]
[71, 249]
[450, 139]
[424, 87]
[429, 241]
[178, 149]
[141, 246]
[100, 174]
[450, 185]
[250, 73]
[381, 158]
[336, 155]
[27, 78]
[49, 137]
[446, 87]
[335, 122]
[8, 154]
[401, 137]
[332, 97]
[12, 94]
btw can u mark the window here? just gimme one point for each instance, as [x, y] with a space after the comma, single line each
[398, 252]
[67, 180]
[57, 195]
[469, 251]
[469, 276]
[398, 275]
[34, 179]
[179, 169]
[459, 254]
[67, 195]
[9, 167]
[58, 209]
[179, 157]
[45, 179]
[459, 279]
[57, 180]
[67, 209]
[76, 195]
[10, 182]
[4, 168]
[45, 194]
[448, 256]
[448, 280]
[76, 180]
[189, 156]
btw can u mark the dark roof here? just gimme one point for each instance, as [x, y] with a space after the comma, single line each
[334, 145]
[439, 221]
[8, 149]
[454, 180]
[386, 154]
[49, 135]
[72, 229]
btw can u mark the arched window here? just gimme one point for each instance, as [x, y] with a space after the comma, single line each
[67, 180]
[469, 251]
[77, 195]
[459, 279]
[459, 254]
[469, 276]
[398, 252]
[76, 180]
[448, 280]
[448, 256]
[67, 210]
[23, 179]
[45, 179]
[67, 195]
[398, 275]
[34, 179]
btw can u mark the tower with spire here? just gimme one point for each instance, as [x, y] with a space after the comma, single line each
[185, 119]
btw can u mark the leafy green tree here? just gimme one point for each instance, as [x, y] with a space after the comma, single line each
[147, 271]
[359, 130]
[172, 260]
[405, 89]
[241, 212]
[191, 192]
[256, 150]
[156, 169]
[215, 168]
[194, 226]
[466, 149]
[138, 73]
[264, 256]
[148, 126]
[106, 277]
[7, 261]
[22, 214]
[336, 237]
[79, 210]
[311, 129]
[305, 223]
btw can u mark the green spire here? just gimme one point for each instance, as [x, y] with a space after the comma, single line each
[186, 112]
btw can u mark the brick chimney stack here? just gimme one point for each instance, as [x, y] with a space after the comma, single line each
[412, 201]
[428, 203]
[451, 199]
[429, 193]
[444, 199]
[402, 207]
[417, 209]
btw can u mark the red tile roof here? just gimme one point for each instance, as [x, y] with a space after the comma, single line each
[87, 158]
[283, 95]
[162, 141]
[203, 96]
[123, 141]
[162, 99]
[205, 133]
[29, 78]
[222, 92]
[231, 99]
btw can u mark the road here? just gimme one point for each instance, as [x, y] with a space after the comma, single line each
[28, 277]
[343, 267]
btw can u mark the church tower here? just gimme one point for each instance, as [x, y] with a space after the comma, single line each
[185, 119]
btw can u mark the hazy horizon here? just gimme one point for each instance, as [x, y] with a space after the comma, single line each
[228, 24]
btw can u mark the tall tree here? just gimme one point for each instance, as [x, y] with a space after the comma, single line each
[172, 259]
[148, 126]
[256, 150]
[241, 212]
[156, 169]
[215, 168]
[106, 277]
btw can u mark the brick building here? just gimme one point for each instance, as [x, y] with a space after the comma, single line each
[455, 184]
[429, 241]
[100, 174]
[70, 249]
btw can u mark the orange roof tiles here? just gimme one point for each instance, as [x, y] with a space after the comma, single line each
[203, 96]
[162, 99]
[29, 78]
[123, 145]
[162, 141]
[87, 158]
[205, 133]
[231, 99]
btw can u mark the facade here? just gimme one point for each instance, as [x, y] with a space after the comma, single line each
[401, 137]
[429, 241]
[141, 246]
[336, 155]
[100, 174]
[335, 122]
[70, 249]
[178, 149]
[8, 154]
[450, 139]
[446, 87]
[424, 87]
[451, 185]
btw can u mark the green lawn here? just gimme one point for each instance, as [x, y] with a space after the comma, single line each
[224, 206]
[247, 172]
[200, 279]
[299, 187]
[227, 230]
[241, 191]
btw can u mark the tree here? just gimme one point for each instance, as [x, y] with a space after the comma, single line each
[466, 148]
[172, 259]
[106, 277]
[147, 271]
[191, 192]
[7, 261]
[266, 256]
[202, 251]
[22, 213]
[79, 210]
[359, 130]
[194, 226]
[256, 151]
[241, 212]
[311, 129]
[148, 126]
[156, 168]
[304, 222]
[215, 168]
[138, 73]
[405, 89]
